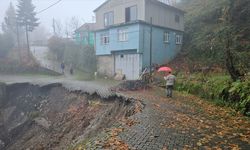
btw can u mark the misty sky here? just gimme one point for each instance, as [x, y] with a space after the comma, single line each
[82, 9]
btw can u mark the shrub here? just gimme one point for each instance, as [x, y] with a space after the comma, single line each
[82, 58]
[219, 89]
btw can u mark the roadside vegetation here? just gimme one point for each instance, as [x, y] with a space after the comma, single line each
[219, 89]
[217, 36]
[66, 50]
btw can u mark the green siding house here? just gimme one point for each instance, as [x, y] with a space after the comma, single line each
[85, 35]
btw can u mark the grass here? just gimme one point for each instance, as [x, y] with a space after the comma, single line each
[83, 76]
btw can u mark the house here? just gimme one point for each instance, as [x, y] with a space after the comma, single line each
[123, 31]
[85, 34]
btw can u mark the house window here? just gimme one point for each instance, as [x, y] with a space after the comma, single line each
[108, 18]
[131, 14]
[166, 37]
[104, 39]
[178, 39]
[177, 18]
[123, 35]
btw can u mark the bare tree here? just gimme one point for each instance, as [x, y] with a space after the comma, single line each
[74, 23]
[57, 27]
[67, 29]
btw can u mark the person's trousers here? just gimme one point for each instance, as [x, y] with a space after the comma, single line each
[169, 90]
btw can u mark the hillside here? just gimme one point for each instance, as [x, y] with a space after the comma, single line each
[215, 29]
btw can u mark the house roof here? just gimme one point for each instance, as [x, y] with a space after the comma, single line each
[134, 22]
[101, 5]
[154, 1]
[86, 27]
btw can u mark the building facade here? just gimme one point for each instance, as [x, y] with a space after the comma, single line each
[123, 35]
[85, 35]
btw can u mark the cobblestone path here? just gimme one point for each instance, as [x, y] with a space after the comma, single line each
[184, 122]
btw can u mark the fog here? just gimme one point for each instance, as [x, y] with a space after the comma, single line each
[63, 11]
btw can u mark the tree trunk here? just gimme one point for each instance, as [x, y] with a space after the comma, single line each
[18, 44]
[27, 38]
[234, 73]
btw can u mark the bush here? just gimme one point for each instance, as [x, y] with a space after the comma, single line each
[239, 94]
[218, 88]
[57, 47]
[82, 58]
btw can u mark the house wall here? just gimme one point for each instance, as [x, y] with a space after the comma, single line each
[118, 7]
[105, 65]
[114, 43]
[85, 42]
[162, 16]
[162, 52]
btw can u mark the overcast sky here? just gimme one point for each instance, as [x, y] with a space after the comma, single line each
[82, 9]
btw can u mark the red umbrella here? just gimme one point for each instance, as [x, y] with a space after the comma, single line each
[164, 69]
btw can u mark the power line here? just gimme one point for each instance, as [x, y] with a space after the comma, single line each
[49, 6]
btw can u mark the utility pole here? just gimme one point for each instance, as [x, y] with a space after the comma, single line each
[151, 39]
[27, 37]
[54, 27]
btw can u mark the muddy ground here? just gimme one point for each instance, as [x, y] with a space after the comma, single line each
[52, 117]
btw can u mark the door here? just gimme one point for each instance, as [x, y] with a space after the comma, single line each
[128, 64]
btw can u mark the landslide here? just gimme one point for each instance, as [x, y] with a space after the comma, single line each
[52, 117]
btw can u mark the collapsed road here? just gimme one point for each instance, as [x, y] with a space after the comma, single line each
[56, 115]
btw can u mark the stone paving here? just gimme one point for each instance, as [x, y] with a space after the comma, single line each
[169, 124]
[148, 133]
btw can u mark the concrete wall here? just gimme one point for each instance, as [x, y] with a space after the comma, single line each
[163, 16]
[105, 65]
[114, 43]
[118, 7]
[162, 52]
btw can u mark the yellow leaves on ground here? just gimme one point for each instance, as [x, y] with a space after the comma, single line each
[138, 107]
[114, 142]
[129, 122]
[218, 125]
[157, 105]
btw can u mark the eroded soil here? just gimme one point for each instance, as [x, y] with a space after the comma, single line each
[51, 117]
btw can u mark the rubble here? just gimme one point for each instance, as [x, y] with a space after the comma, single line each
[132, 85]
[54, 117]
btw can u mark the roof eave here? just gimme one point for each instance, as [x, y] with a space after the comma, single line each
[101, 5]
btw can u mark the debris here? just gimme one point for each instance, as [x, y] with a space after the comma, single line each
[133, 85]
[43, 123]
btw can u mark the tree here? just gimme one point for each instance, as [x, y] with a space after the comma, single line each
[6, 43]
[235, 29]
[26, 18]
[9, 24]
[217, 33]
[10, 27]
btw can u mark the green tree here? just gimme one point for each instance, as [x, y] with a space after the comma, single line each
[7, 39]
[9, 24]
[26, 17]
[217, 32]
[6, 42]
[10, 27]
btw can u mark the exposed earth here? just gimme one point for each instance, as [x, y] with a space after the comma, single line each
[51, 113]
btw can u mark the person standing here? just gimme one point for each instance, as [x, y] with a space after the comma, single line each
[71, 71]
[62, 67]
[170, 81]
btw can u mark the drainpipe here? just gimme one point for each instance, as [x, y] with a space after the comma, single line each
[150, 60]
